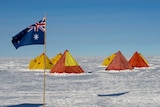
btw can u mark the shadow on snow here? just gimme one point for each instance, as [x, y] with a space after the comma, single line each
[113, 94]
[25, 105]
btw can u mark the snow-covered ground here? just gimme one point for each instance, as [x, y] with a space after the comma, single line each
[20, 87]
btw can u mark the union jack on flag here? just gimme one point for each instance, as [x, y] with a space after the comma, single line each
[41, 25]
[33, 34]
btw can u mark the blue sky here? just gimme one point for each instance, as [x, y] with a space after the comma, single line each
[84, 27]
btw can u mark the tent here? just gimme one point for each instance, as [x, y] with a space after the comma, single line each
[55, 59]
[119, 62]
[137, 60]
[144, 58]
[66, 64]
[108, 60]
[38, 62]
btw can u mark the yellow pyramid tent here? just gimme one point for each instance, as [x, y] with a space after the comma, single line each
[56, 58]
[108, 60]
[38, 62]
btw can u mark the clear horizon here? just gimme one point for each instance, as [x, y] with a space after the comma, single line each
[85, 28]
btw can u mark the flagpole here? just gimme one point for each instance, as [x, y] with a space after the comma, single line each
[44, 80]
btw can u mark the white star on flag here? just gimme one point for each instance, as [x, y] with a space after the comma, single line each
[36, 36]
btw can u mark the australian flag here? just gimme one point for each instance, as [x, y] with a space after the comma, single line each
[33, 34]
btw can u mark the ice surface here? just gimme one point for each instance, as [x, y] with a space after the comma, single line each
[95, 88]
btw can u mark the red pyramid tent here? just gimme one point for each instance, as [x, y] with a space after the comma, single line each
[137, 60]
[66, 64]
[119, 63]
